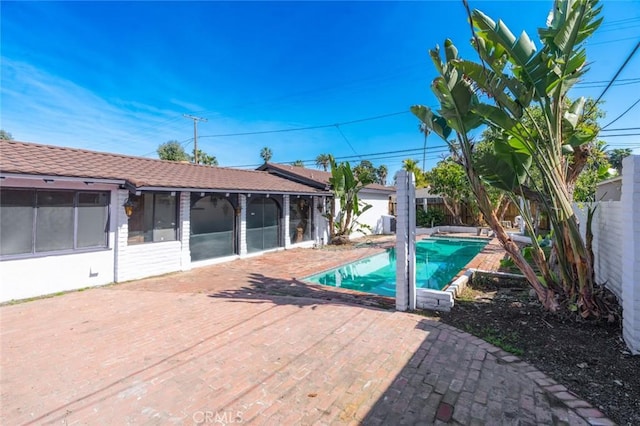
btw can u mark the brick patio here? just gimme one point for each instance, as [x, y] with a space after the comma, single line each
[248, 342]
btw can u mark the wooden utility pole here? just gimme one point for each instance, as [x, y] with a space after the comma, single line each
[195, 134]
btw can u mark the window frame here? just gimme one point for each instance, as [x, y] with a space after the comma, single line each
[33, 192]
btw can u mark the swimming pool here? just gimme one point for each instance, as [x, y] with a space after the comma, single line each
[438, 260]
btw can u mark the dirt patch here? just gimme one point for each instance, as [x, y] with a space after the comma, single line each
[589, 358]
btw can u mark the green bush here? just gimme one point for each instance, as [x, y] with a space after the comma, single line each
[425, 218]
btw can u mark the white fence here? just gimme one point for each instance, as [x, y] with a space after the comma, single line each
[616, 247]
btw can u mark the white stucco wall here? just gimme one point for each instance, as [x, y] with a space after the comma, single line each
[373, 216]
[48, 274]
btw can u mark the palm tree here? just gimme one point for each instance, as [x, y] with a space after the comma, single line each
[323, 160]
[266, 154]
[298, 163]
[382, 173]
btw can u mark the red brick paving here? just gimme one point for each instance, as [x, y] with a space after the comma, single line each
[227, 344]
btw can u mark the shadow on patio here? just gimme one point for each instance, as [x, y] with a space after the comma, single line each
[293, 291]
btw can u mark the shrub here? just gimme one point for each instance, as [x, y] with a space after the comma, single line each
[425, 218]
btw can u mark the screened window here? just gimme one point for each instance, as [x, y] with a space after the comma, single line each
[263, 228]
[300, 219]
[154, 218]
[39, 221]
[212, 226]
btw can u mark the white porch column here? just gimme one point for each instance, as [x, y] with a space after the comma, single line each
[185, 230]
[122, 233]
[631, 252]
[406, 242]
[242, 224]
[286, 202]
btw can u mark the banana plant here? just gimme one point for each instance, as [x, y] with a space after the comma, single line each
[346, 186]
[543, 77]
[513, 78]
[457, 116]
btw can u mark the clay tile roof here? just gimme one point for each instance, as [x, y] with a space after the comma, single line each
[320, 177]
[46, 160]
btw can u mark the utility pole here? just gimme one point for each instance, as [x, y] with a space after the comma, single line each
[195, 134]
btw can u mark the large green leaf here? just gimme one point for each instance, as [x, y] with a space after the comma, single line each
[435, 123]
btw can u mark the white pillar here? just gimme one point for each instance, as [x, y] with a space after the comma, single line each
[405, 242]
[122, 234]
[185, 230]
[286, 203]
[631, 252]
[242, 200]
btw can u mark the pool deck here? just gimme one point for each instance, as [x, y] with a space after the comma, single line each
[247, 342]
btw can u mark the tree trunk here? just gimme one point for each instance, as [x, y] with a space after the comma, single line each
[545, 295]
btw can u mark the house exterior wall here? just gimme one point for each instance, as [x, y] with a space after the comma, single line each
[148, 259]
[39, 275]
[373, 217]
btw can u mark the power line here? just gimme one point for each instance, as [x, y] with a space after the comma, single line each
[294, 129]
[624, 64]
[412, 151]
[347, 140]
[618, 136]
[621, 115]
[614, 41]
[620, 129]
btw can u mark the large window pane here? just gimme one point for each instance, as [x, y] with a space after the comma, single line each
[263, 216]
[16, 221]
[54, 220]
[92, 219]
[164, 221]
[154, 218]
[212, 219]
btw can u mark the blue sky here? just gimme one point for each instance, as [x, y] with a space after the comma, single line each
[118, 76]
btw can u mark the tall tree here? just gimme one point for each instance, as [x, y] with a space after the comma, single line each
[514, 75]
[5, 136]
[266, 154]
[365, 171]
[323, 160]
[448, 180]
[616, 156]
[298, 163]
[172, 151]
[411, 165]
[382, 172]
[206, 159]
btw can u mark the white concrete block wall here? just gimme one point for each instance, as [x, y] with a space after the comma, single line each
[242, 200]
[285, 221]
[616, 246]
[185, 230]
[405, 242]
[631, 252]
[607, 230]
[147, 259]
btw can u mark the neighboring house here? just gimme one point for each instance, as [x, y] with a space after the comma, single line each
[72, 218]
[374, 194]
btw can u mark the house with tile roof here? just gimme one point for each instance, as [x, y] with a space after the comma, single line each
[378, 196]
[73, 218]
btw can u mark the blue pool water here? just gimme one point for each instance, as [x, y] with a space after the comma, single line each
[438, 260]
